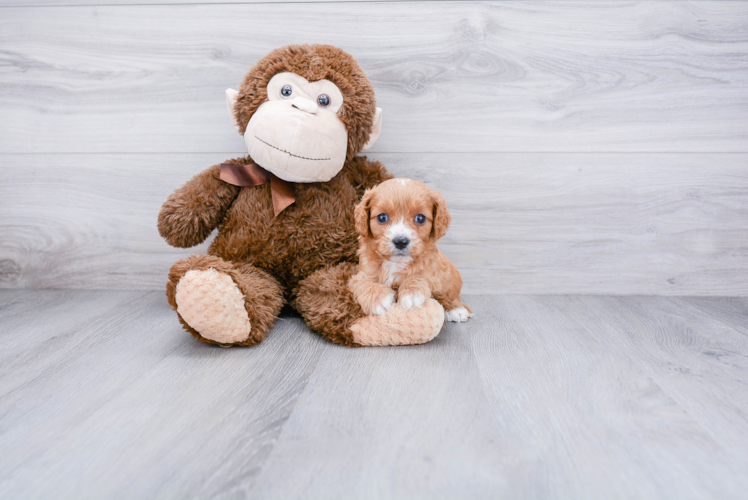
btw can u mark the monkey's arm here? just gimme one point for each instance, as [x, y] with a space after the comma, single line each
[365, 174]
[191, 212]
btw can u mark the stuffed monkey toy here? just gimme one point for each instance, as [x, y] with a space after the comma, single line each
[285, 213]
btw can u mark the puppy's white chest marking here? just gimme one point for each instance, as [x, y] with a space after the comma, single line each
[392, 271]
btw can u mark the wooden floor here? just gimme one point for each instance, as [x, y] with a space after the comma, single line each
[102, 395]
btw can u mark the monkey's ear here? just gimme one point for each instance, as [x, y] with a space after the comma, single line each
[231, 96]
[376, 129]
[362, 215]
[441, 216]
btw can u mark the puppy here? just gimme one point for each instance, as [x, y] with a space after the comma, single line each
[398, 223]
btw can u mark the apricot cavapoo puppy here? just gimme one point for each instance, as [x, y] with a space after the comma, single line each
[399, 222]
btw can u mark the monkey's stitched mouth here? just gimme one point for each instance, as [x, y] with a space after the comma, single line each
[290, 153]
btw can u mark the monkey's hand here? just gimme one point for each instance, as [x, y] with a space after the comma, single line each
[191, 212]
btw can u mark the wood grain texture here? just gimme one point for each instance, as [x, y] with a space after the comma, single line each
[667, 76]
[112, 399]
[588, 392]
[99, 3]
[699, 361]
[104, 396]
[522, 223]
[732, 311]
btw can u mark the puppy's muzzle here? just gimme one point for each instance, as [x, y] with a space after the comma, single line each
[401, 242]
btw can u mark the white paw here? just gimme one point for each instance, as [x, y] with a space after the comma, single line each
[457, 315]
[385, 305]
[411, 300]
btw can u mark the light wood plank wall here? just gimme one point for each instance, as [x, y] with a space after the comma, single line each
[583, 146]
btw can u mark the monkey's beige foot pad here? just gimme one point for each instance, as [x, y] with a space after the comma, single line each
[211, 303]
[399, 326]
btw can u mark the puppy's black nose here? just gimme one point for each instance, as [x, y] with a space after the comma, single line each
[400, 242]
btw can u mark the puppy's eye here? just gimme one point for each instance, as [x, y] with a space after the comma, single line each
[420, 219]
[286, 91]
[382, 218]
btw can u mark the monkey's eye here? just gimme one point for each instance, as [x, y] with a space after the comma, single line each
[382, 218]
[323, 100]
[286, 91]
[420, 219]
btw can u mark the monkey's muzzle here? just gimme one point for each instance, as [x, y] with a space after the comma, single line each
[296, 142]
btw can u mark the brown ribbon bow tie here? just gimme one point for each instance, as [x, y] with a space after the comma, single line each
[254, 175]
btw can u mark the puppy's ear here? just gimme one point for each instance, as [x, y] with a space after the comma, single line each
[441, 217]
[362, 213]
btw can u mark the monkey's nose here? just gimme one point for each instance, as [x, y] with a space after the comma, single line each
[304, 104]
[400, 242]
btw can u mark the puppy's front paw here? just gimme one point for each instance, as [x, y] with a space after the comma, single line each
[411, 300]
[386, 303]
[457, 315]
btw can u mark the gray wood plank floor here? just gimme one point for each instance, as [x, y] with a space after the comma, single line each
[102, 395]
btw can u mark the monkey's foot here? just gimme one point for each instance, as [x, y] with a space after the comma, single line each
[400, 326]
[211, 303]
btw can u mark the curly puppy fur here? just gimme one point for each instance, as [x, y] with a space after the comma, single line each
[268, 256]
[417, 269]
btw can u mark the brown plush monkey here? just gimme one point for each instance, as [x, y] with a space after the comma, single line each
[285, 212]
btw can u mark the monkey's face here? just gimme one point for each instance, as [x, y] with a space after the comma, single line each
[304, 110]
[297, 134]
